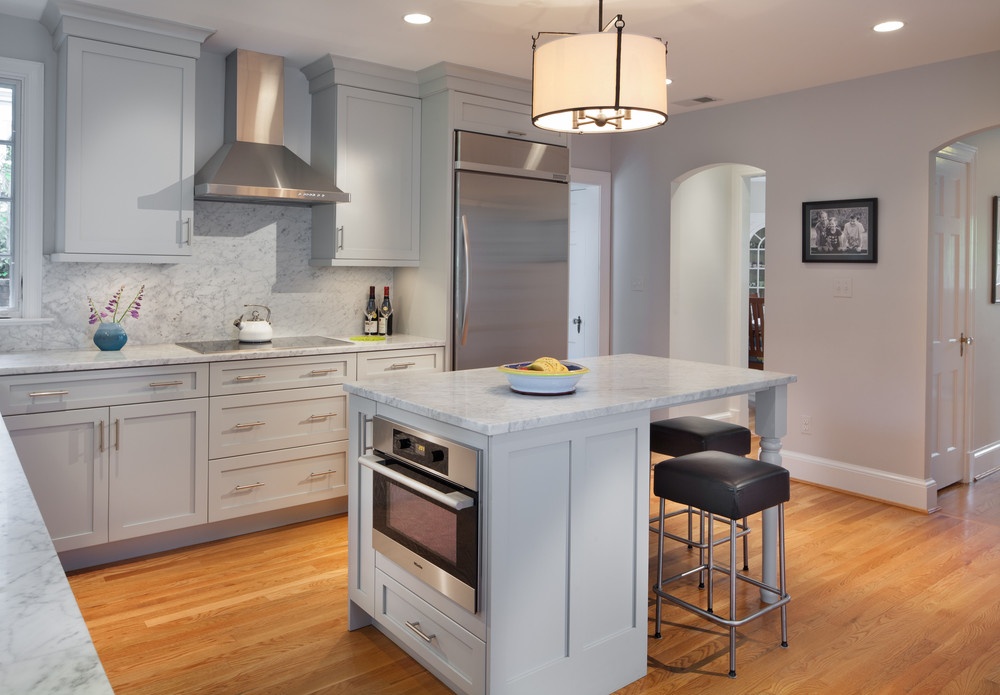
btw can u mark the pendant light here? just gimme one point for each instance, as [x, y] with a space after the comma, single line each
[605, 82]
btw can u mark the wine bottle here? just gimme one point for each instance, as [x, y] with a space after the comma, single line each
[384, 314]
[371, 313]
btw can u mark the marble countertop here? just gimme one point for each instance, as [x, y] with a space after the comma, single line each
[146, 355]
[480, 400]
[45, 646]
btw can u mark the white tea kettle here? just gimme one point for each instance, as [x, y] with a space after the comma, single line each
[254, 329]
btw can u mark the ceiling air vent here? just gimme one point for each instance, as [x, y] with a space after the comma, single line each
[697, 101]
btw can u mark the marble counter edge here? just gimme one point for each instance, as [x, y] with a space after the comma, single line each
[448, 406]
[52, 361]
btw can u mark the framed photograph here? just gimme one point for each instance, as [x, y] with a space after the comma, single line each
[996, 250]
[840, 231]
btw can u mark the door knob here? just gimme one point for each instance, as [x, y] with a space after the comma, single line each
[963, 340]
[578, 321]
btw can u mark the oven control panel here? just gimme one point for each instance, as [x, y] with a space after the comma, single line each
[447, 459]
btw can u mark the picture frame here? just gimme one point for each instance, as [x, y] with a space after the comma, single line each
[840, 231]
[995, 297]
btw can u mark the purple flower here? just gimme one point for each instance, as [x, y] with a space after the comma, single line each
[114, 309]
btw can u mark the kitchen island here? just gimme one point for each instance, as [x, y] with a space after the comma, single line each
[563, 499]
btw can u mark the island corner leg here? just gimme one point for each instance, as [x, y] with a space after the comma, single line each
[771, 423]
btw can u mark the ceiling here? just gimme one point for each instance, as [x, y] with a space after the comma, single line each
[732, 50]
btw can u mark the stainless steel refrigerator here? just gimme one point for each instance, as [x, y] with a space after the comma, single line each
[511, 250]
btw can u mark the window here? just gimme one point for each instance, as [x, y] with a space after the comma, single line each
[21, 137]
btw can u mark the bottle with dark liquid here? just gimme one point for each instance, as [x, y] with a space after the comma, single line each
[371, 313]
[385, 314]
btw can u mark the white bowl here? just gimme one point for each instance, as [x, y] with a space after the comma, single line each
[543, 383]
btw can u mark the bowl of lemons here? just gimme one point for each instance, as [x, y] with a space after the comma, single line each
[545, 376]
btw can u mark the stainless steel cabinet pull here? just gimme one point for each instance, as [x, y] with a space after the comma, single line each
[250, 486]
[401, 365]
[320, 475]
[516, 132]
[38, 394]
[248, 425]
[158, 384]
[251, 377]
[322, 372]
[325, 416]
[420, 633]
[340, 238]
[118, 434]
[188, 232]
[465, 267]
[100, 436]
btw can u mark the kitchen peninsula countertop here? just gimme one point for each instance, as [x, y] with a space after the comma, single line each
[480, 400]
[45, 646]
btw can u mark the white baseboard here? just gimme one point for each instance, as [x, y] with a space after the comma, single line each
[901, 490]
[984, 461]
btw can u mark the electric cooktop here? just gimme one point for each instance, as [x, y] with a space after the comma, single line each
[212, 347]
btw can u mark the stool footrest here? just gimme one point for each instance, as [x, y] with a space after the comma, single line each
[715, 617]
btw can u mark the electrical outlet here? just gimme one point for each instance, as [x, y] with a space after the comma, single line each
[638, 283]
[806, 424]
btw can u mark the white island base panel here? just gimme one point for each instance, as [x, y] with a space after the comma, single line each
[564, 514]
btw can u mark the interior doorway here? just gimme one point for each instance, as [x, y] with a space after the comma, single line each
[588, 328]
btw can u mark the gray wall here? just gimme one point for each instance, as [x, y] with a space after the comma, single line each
[861, 362]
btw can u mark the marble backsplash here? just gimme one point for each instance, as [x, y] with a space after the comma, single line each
[243, 254]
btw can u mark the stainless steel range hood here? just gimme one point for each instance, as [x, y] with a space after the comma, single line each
[254, 166]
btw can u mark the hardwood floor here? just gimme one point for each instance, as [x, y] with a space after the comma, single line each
[884, 600]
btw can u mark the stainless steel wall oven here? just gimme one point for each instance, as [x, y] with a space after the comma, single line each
[425, 507]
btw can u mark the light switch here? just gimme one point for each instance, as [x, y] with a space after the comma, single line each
[843, 287]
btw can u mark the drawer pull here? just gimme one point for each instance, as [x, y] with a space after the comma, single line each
[158, 384]
[320, 475]
[38, 394]
[420, 633]
[248, 425]
[248, 486]
[100, 436]
[118, 434]
[401, 365]
[250, 377]
[323, 372]
[325, 416]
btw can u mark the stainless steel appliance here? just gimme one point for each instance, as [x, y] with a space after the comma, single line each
[425, 508]
[511, 250]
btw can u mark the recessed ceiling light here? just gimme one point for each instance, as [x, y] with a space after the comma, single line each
[891, 25]
[416, 18]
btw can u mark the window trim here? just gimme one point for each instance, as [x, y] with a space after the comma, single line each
[29, 182]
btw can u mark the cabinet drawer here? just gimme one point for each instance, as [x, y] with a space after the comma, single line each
[37, 393]
[448, 650]
[255, 422]
[241, 485]
[500, 117]
[252, 376]
[390, 361]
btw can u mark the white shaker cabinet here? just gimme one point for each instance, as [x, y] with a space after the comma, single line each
[369, 140]
[126, 154]
[106, 474]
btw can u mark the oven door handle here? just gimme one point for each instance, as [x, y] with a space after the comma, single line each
[454, 500]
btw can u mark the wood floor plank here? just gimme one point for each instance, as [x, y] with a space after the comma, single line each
[884, 600]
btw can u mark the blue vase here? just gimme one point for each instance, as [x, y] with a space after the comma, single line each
[110, 336]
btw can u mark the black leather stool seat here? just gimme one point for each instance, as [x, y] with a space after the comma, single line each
[722, 484]
[685, 435]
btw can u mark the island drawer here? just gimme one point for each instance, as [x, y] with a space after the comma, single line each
[39, 393]
[241, 485]
[255, 422]
[447, 649]
[391, 361]
[253, 376]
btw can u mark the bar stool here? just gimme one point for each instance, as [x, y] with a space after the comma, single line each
[688, 434]
[731, 487]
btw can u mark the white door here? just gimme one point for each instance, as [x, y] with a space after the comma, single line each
[950, 230]
[589, 264]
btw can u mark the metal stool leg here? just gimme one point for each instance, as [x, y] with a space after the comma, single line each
[659, 573]
[732, 597]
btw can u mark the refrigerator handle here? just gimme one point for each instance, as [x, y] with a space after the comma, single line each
[465, 295]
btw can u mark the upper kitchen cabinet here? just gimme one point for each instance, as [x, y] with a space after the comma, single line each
[366, 134]
[125, 166]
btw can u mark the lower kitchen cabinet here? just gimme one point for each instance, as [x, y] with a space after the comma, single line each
[241, 485]
[406, 360]
[106, 474]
